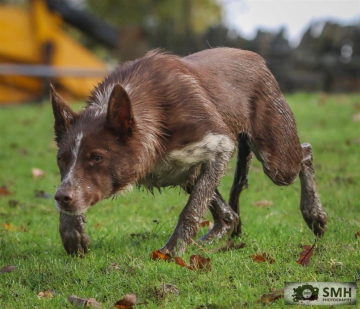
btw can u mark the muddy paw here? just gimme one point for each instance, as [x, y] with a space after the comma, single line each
[76, 243]
[317, 223]
[73, 236]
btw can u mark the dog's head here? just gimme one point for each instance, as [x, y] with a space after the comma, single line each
[95, 151]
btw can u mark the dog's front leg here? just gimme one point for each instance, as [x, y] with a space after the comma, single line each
[199, 199]
[72, 232]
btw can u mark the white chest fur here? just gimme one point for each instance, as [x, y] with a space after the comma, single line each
[180, 166]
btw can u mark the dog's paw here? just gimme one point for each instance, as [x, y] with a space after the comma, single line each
[73, 236]
[76, 243]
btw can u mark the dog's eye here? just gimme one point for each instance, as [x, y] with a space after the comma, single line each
[97, 158]
[60, 159]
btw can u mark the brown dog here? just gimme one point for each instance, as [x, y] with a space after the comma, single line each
[167, 121]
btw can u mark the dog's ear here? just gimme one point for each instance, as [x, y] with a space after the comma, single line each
[63, 114]
[120, 116]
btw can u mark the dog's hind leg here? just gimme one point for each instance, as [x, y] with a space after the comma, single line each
[310, 205]
[241, 178]
[225, 218]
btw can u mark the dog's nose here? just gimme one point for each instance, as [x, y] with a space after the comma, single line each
[64, 198]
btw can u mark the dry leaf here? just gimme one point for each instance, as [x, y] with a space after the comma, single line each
[46, 294]
[4, 190]
[267, 299]
[8, 226]
[8, 269]
[13, 203]
[199, 262]
[262, 258]
[165, 289]
[97, 225]
[305, 256]
[127, 302]
[230, 245]
[356, 117]
[84, 302]
[181, 262]
[114, 266]
[37, 173]
[157, 255]
[263, 203]
[357, 235]
[207, 223]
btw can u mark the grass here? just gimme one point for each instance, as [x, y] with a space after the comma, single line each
[32, 242]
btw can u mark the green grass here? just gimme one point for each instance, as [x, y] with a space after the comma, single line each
[33, 243]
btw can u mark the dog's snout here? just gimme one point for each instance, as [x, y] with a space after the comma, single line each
[64, 198]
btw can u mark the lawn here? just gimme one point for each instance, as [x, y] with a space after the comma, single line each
[29, 237]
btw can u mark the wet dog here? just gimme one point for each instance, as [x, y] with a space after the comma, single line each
[164, 121]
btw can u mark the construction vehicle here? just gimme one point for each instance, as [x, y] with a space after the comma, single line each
[36, 50]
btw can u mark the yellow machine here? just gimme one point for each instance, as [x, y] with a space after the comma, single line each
[35, 50]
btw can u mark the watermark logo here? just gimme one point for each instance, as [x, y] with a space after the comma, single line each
[320, 293]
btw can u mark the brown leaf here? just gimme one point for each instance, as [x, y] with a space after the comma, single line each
[181, 262]
[356, 117]
[8, 226]
[46, 294]
[199, 262]
[37, 173]
[114, 266]
[165, 289]
[157, 255]
[127, 302]
[357, 235]
[13, 203]
[4, 190]
[207, 223]
[267, 299]
[305, 256]
[7, 269]
[230, 245]
[263, 203]
[262, 258]
[84, 302]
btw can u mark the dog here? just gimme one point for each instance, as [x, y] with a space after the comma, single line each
[162, 121]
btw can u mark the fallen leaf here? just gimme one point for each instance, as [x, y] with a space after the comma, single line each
[127, 302]
[199, 262]
[181, 262]
[8, 269]
[8, 226]
[230, 245]
[42, 194]
[97, 225]
[305, 255]
[263, 203]
[114, 266]
[37, 173]
[13, 203]
[4, 190]
[357, 235]
[46, 294]
[165, 289]
[267, 299]
[207, 223]
[84, 302]
[356, 117]
[23, 151]
[157, 255]
[262, 258]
